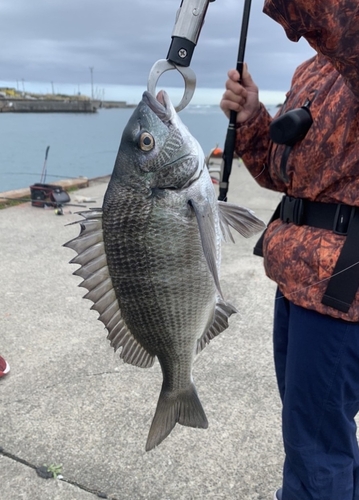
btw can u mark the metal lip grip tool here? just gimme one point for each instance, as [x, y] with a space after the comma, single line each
[189, 21]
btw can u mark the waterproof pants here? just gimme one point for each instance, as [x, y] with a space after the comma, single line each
[317, 367]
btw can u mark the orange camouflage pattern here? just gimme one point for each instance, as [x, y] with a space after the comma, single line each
[324, 166]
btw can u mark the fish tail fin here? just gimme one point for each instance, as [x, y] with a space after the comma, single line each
[183, 407]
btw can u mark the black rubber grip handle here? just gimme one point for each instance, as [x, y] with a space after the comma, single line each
[181, 51]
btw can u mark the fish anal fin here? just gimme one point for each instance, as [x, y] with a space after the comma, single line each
[239, 218]
[222, 313]
[183, 407]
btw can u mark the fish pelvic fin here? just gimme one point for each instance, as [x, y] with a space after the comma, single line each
[183, 407]
[239, 218]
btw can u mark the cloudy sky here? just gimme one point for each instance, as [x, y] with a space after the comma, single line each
[59, 40]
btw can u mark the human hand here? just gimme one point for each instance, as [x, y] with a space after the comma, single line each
[240, 97]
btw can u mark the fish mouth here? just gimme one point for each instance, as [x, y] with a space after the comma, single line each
[160, 105]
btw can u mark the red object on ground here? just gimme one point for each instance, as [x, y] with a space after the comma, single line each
[4, 367]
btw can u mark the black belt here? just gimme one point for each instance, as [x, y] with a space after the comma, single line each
[339, 218]
[333, 216]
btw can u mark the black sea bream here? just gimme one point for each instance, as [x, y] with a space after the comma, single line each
[150, 258]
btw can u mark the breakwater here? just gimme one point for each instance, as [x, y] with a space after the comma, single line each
[47, 106]
[57, 106]
[12, 101]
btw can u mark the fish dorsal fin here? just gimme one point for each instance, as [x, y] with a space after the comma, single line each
[207, 231]
[222, 312]
[241, 219]
[90, 248]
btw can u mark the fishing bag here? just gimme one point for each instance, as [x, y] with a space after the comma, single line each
[48, 195]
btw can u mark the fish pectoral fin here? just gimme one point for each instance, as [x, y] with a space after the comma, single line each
[207, 231]
[91, 256]
[183, 407]
[222, 313]
[241, 219]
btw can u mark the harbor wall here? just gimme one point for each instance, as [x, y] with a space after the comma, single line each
[47, 105]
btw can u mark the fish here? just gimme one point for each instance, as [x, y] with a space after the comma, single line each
[150, 257]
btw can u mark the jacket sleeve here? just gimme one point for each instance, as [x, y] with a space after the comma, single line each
[330, 26]
[252, 145]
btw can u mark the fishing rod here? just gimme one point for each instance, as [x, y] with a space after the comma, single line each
[44, 171]
[229, 145]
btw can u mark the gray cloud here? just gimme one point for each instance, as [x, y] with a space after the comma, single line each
[58, 40]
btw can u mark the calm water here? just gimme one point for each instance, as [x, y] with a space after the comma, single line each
[81, 144]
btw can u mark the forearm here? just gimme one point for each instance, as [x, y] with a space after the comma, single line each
[252, 145]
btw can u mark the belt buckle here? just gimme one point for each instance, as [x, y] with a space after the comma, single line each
[292, 210]
[343, 216]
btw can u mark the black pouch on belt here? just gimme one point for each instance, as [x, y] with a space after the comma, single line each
[288, 129]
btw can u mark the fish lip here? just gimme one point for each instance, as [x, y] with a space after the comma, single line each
[160, 104]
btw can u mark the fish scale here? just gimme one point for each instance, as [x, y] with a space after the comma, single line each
[150, 258]
[127, 256]
[146, 272]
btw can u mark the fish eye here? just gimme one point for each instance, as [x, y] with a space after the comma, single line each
[146, 141]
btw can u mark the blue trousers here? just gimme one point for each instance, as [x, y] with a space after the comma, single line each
[317, 368]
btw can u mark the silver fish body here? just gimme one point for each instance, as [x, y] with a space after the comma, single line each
[150, 259]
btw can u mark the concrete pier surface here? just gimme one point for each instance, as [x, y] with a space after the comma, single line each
[70, 400]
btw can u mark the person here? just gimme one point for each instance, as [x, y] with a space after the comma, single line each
[310, 153]
[4, 367]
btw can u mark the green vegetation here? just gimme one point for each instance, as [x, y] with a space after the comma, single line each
[11, 93]
[54, 469]
[11, 203]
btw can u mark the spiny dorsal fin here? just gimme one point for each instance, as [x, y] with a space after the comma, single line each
[90, 248]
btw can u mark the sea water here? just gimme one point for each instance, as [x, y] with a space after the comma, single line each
[81, 144]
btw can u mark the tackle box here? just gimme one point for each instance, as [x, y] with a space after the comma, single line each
[48, 195]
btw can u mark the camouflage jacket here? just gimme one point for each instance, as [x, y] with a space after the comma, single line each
[324, 166]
